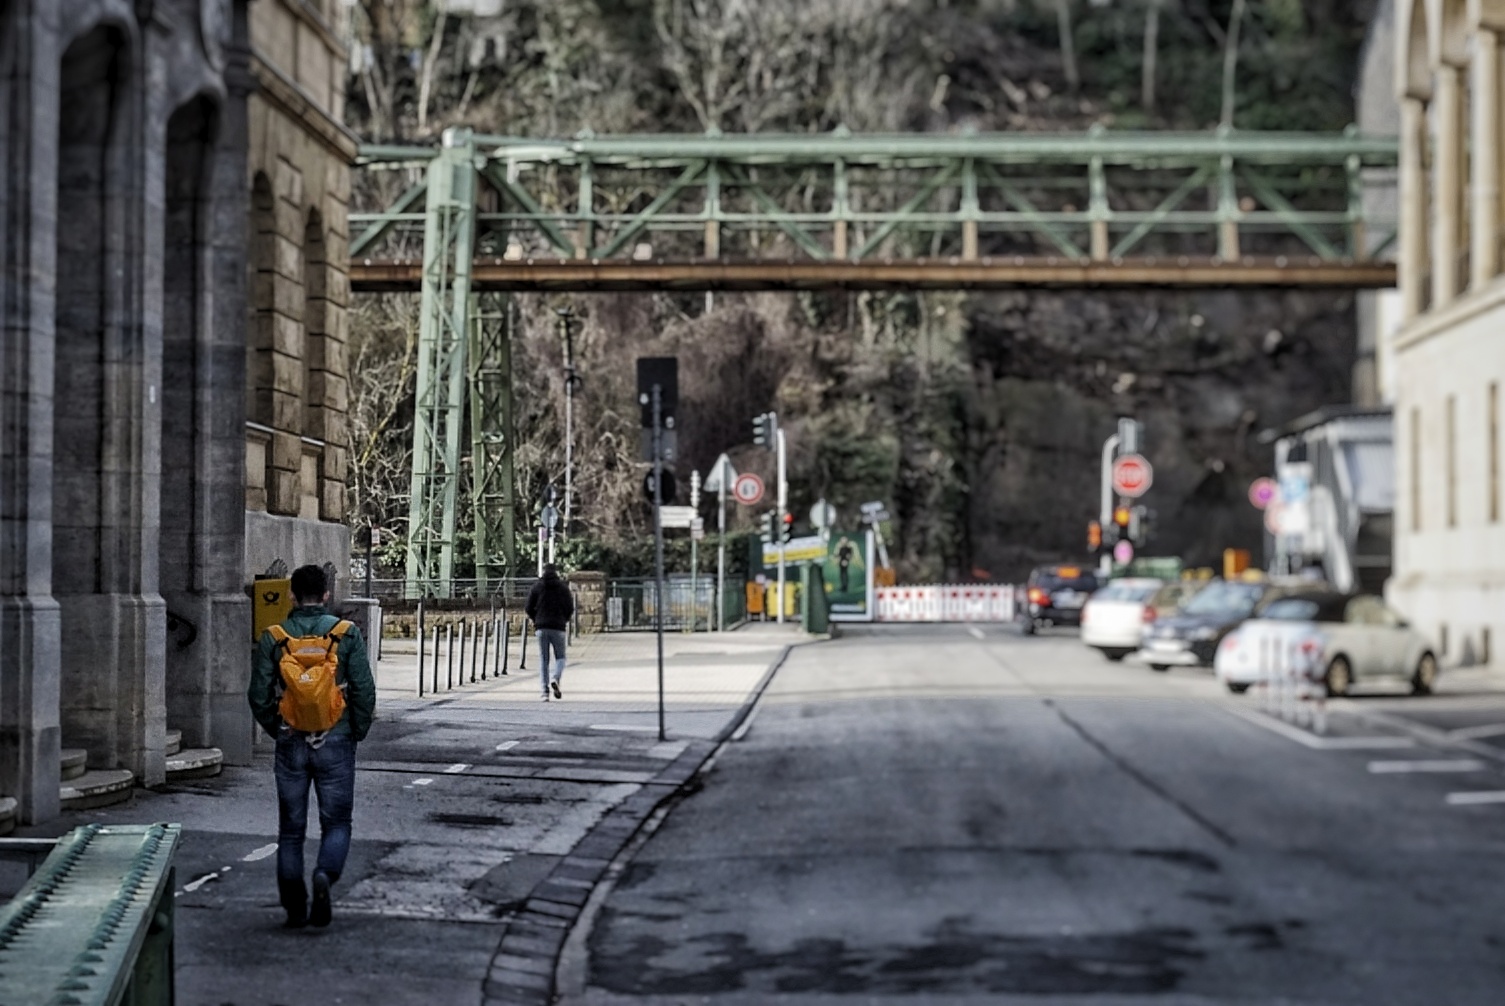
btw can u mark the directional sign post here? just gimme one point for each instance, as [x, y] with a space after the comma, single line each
[1132, 476]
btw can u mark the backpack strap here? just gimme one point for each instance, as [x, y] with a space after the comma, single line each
[279, 635]
[340, 628]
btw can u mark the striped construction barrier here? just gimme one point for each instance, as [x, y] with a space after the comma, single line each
[945, 602]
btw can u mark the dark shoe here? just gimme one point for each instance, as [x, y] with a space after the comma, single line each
[555, 685]
[297, 918]
[319, 913]
[294, 898]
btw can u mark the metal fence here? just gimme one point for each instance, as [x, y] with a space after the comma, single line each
[632, 604]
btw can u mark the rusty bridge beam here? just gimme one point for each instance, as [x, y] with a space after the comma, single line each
[541, 275]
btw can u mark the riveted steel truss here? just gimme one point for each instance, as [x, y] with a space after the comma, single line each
[1096, 208]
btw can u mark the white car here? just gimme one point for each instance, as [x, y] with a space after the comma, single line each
[1113, 619]
[1336, 639]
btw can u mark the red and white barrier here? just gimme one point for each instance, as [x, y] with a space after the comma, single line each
[966, 602]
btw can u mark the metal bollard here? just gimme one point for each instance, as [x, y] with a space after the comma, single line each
[502, 654]
[522, 663]
[464, 635]
[485, 647]
[449, 656]
[436, 660]
[420, 647]
[475, 647]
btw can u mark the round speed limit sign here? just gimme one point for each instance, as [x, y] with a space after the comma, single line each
[748, 489]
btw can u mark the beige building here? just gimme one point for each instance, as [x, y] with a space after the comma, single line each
[1447, 354]
[300, 153]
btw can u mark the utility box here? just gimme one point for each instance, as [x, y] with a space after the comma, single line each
[271, 602]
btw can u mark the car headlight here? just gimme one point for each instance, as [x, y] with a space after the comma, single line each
[1204, 634]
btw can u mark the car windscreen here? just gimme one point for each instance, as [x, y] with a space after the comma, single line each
[1050, 581]
[1305, 609]
[1133, 592]
[1225, 599]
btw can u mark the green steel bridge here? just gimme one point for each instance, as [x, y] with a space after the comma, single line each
[467, 221]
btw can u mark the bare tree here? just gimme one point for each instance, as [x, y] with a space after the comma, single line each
[1230, 60]
[1151, 54]
[1068, 44]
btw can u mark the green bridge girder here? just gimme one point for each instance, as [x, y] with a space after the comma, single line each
[481, 213]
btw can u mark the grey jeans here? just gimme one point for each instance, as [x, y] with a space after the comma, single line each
[550, 639]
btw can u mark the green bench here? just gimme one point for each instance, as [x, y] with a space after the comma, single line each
[94, 923]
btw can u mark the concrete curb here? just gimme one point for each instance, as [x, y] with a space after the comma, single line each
[522, 971]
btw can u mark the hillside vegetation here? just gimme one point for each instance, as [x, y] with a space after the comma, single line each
[978, 417]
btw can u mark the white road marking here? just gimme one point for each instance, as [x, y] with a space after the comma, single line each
[624, 728]
[1473, 797]
[194, 885]
[976, 632]
[1425, 765]
[456, 768]
[258, 854]
[1316, 743]
[418, 782]
[507, 745]
[1479, 732]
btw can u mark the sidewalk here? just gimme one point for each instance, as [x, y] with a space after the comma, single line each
[483, 818]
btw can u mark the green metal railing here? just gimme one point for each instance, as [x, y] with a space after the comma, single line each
[94, 924]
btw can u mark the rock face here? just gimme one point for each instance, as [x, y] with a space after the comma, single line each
[1205, 373]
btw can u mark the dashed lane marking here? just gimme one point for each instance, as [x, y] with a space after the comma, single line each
[1476, 797]
[1426, 765]
[976, 632]
[260, 853]
[507, 745]
[1318, 743]
[419, 782]
[456, 768]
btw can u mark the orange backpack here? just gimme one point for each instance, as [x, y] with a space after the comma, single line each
[313, 700]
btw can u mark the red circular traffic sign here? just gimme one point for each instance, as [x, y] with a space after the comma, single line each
[1132, 475]
[748, 489]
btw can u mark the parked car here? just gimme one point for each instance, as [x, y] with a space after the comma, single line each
[1113, 619]
[1190, 637]
[1334, 638]
[1054, 595]
[1171, 597]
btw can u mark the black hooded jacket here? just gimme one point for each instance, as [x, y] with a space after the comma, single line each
[549, 602]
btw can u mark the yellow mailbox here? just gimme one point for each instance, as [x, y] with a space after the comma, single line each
[271, 602]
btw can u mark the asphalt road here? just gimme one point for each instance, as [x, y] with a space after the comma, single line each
[952, 815]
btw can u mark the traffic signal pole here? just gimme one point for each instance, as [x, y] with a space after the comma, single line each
[779, 527]
[658, 542]
[1110, 448]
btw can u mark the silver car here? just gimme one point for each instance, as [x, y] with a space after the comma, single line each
[1337, 639]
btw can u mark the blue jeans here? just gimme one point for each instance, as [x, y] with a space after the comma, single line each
[550, 639]
[331, 769]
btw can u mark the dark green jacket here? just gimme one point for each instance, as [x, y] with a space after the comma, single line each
[355, 671]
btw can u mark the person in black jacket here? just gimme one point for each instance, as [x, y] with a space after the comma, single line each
[551, 606]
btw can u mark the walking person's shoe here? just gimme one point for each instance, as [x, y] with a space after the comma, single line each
[545, 696]
[319, 912]
[294, 897]
[555, 685]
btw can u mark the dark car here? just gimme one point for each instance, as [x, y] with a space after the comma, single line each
[1054, 595]
[1190, 637]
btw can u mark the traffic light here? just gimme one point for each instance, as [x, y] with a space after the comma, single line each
[788, 527]
[1094, 536]
[1121, 516]
[765, 526]
[1136, 525]
[766, 430]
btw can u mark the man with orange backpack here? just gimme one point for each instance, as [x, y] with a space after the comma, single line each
[312, 689]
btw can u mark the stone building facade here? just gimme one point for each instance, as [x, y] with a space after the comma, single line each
[297, 447]
[122, 368]
[1449, 358]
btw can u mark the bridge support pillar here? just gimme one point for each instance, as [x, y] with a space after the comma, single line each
[1447, 189]
[1484, 257]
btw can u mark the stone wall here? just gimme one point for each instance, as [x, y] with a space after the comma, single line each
[122, 321]
[297, 398]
